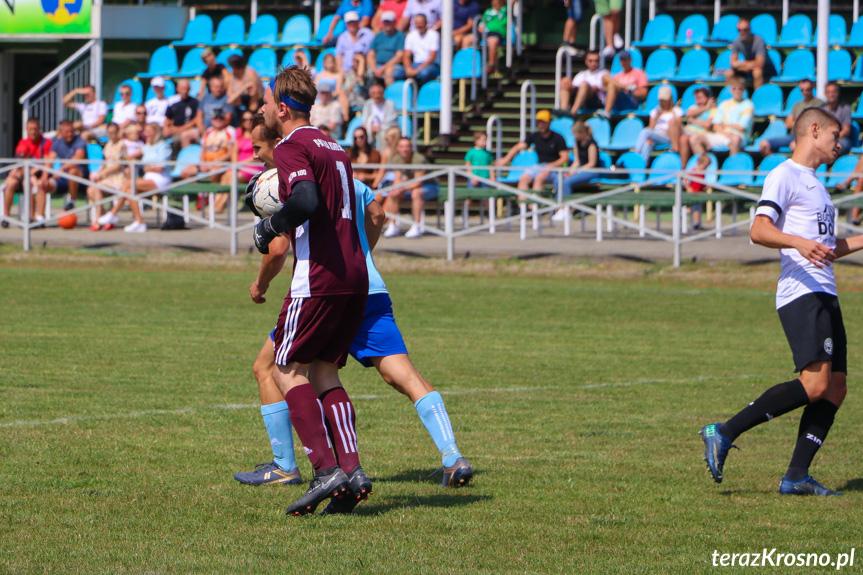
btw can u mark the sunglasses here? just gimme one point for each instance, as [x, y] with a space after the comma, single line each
[247, 119]
[743, 29]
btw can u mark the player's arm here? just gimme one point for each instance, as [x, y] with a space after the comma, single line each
[847, 246]
[271, 264]
[765, 233]
[375, 220]
[297, 208]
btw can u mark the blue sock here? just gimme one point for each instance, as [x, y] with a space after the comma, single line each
[279, 429]
[433, 414]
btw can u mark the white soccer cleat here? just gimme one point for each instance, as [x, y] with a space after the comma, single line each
[391, 231]
[414, 233]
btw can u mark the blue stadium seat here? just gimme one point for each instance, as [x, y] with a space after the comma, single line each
[765, 26]
[776, 58]
[188, 156]
[428, 99]
[263, 61]
[710, 174]
[652, 99]
[737, 163]
[855, 138]
[95, 155]
[324, 27]
[231, 31]
[855, 39]
[288, 58]
[775, 129]
[857, 114]
[195, 87]
[838, 65]
[794, 96]
[626, 161]
[137, 91]
[694, 66]
[170, 90]
[525, 159]
[725, 94]
[637, 61]
[199, 32]
[192, 64]
[263, 31]
[724, 32]
[163, 62]
[297, 30]
[563, 126]
[406, 125]
[821, 173]
[601, 129]
[699, 28]
[844, 165]
[625, 134]
[798, 64]
[837, 32]
[722, 63]
[348, 139]
[661, 65]
[688, 98]
[665, 162]
[767, 100]
[394, 92]
[657, 32]
[796, 32]
[766, 165]
[319, 61]
[466, 63]
[223, 56]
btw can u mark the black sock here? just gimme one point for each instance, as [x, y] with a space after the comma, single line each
[814, 425]
[776, 401]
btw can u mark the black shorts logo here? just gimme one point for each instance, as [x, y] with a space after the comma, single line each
[828, 345]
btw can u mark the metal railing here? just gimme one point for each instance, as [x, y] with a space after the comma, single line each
[410, 93]
[569, 53]
[522, 128]
[493, 120]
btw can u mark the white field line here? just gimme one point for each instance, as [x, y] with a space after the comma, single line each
[187, 410]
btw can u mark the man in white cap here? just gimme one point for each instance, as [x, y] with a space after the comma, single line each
[732, 124]
[354, 40]
[387, 49]
[364, 9]
[157, 106]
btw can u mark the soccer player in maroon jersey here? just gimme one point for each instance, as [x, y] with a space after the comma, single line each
[326, 302]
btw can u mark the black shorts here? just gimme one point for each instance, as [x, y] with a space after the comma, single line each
[815, 331]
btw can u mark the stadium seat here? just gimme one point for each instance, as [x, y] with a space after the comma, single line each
[798, 64]
[163, 62]
[737, 163]
[694, 66]
[195, 87]
[199, 32]
[688, 98]
[725, 94]
[319, 61]
[724, 32]
[394, 92]
[837, 32]
[428, 99]
[626, 161]
[710, 174]
[223, 56]
[601, 129]
[563, 126]
[855, 39]
[765, 26]
[625, 134]
[170, 90]
[664, 163]
[652, 99]
[821, 173]
[797, 31]
[722, 63]
[263, 61]
[766, 165]
[231, 31]
[324, 27]
[262, 32]
[297, 30]
[188, 156]
[661, 65]
[192, 64]
[794, 96]
[95, 155]
[767, 100]
[838, 65]
[637, 61]
[693, 31]
[775, 129]
[466, 63]
[406, 125]
[855, 138]
[348, 140]
[657, 32]
[524, 159]
[776, 58]
[288, 58]
[844, 165]
[137, 91]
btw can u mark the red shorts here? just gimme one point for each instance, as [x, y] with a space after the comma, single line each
[318, 328]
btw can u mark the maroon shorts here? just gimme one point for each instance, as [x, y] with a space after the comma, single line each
[318, 328]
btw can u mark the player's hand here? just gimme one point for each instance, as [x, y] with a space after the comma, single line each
[250, 195]
[257, 292]
[817, 253]
[263, 234]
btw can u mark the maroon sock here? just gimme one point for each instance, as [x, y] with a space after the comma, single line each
[339, 412]
[306, 417]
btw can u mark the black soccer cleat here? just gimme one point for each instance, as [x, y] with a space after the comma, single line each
[361, 488]
[326, 483]
[457, 475]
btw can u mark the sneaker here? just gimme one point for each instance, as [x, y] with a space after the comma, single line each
[107, 227]
[95, 227]
[4, 224]
[361, 488]
[806, 486]
[716, 448]
[323, 486]
[40, 221]
[270, 474]
[391, 231]
[70, 205]
[108, 218]
[618, 42]
[561, 215]
[136, 227]
[608, 52]
[458, 475]
[414, 232]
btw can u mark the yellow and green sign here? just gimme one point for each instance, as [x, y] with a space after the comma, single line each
[45, 17]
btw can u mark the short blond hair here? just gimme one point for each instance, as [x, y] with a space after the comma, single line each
[297, 84]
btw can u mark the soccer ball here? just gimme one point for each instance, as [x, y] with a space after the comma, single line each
[266, 196]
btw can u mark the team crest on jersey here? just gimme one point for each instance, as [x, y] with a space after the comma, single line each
[825, 220]
[828, 345]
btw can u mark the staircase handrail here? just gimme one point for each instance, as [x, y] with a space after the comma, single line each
[56, 71]
[522, 128]
[403, 124]
[569, 52]
[492, 120]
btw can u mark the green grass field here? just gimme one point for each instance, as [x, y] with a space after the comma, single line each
[576, 390]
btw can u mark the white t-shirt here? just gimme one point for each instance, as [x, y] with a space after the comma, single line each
[123, 112]
[156, 110]
[422, 46]
[593, 79]
[432, 9]
[90, 112]
[663, 118]
[799, 205]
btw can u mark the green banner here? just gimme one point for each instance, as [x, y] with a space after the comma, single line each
[45, 17]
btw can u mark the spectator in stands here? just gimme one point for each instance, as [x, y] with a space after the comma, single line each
[331, 74]
[156, 175]
[694, 187]
[213, 70]
[570, 27]
[770, 145]
[354, 40]
[732, 123]
[92, 111]
[858, 188]
[379, 114]
[302, 61]
[67, 146]
[664, 126]
[354, 91]
[612, 20]
[397, 7]
[141, 116]
[464, 14]
[842, 112]
[585, 157]
[362, 152]
[420, 59]
[550, 149]
[587, 87]
[699, 120]
[749, 56]
[110, 173]
[242, 151]
[479, 156]
[244, 85]
[385, 177]
[420, 192]
[387, 49]
[627, 89]
[35, 146]
[364, 9]
[431, 9]
[327, 111]
[215, 99]
[494, 23]
[181, 120]
[217, 145]
[124, 110]
[157, 106]
[132, 141]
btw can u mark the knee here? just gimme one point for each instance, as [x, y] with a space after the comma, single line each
[566, 84]
[757, 73]
[262, 370]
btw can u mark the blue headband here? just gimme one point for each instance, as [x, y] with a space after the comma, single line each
[288, 101]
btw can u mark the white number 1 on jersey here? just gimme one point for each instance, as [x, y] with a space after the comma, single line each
[346, 191]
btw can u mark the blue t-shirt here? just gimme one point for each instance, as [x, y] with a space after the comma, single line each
[463, 13]
[365, 196]
[66, 151]
[366, 8]
[210, 103]
[156, 154]
[385, 46]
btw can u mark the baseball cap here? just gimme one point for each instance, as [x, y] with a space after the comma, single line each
[624, 55]
[665, 93]
[325, 87]
[352, 17]
[388, 16]
[157, 82]
[543, 116]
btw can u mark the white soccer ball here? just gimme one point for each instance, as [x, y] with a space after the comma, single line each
[266, 195]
